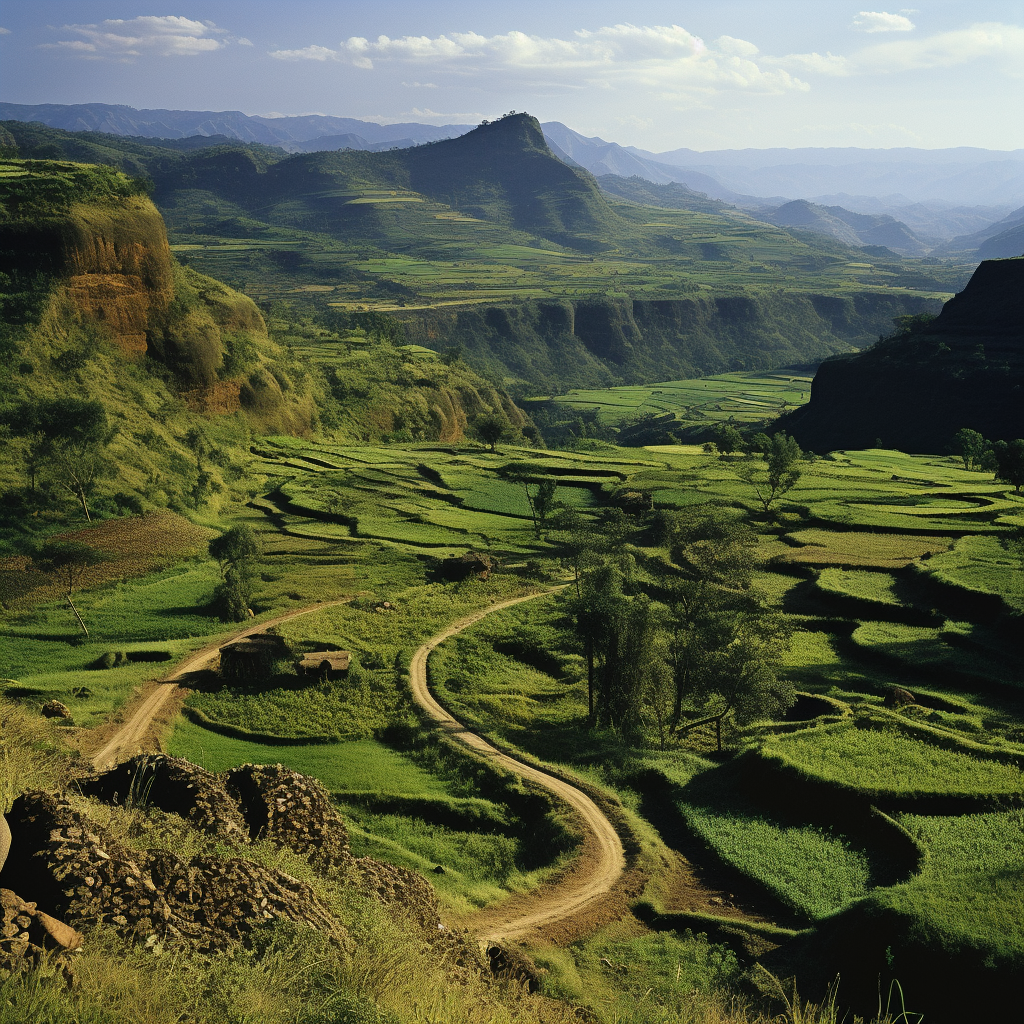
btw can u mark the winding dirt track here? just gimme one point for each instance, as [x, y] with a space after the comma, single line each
[602, 859]
[131, 735]
[600, 863]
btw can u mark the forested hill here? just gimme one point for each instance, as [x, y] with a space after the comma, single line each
[915, 390]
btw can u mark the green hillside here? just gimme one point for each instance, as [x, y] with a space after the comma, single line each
[493, 219]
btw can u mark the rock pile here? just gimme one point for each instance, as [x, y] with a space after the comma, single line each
[79, 872]
[55, 709]
[27, 934]
[176, 786]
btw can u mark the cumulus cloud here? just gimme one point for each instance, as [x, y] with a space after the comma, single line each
[121, 39]
[320, 53]
[665, 57]
[880, 21]
[5, 31]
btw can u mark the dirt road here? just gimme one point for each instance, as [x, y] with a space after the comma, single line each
[130, 735]
[601, 861]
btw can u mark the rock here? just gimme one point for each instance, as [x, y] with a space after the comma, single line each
[5, 840]
[401, 889]
[290, 810]
[55, 709]
[897, 697]
[176, 786]
[77, 871]
[27, 934]
[508, 961]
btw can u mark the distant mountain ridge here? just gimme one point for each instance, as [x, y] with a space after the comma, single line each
[119, 119]
[859, 229]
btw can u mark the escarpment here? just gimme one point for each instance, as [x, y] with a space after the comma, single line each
[914, 391]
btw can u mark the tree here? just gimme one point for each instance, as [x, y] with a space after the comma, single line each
[491, 428]
[70, 561]
[1009, 460]
[970, 446]
[724, 645]
[69, 436]
[728, 439]
[238, 550]
[780, 454]
[540, 494]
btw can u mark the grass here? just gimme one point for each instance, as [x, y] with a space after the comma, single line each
[874, 587]
[353, 766]
[889, 762]
[982, 565]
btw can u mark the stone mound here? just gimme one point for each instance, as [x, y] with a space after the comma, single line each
[173, 785]
[291, 810]
[400, 889]
[55, 709]
[27, 934]
[80, 873]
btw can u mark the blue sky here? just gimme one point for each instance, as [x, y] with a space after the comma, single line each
[707, 74]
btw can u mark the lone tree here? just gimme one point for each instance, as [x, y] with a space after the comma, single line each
[491, 428]
[540, 493]
[970, 446]
[778, 474]
[238, 550]
[70, 562]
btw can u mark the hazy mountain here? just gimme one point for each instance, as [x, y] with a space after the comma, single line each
[117, 119]
[672, 196]
[963, 175]
[998, 240]
[933, 219]
[857, 229]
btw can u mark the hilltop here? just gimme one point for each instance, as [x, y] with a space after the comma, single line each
[915, 390]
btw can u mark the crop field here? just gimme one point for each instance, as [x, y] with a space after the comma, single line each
[983, 565]
[743, 398]
[891, 762]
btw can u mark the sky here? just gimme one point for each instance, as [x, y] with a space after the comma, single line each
[701, 74]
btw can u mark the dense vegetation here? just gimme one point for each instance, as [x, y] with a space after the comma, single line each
[795, 679]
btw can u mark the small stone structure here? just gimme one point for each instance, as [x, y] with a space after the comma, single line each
[252, 657]
[325, 663]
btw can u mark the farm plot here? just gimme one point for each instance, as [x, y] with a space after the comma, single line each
[746, 398]
[891, 762]
[983, 565]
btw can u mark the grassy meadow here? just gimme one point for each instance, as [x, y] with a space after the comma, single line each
[913, 540]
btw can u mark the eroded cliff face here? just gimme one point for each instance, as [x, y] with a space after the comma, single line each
[606, 341]
[915, 391]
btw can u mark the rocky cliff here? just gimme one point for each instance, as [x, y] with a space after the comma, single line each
[915, 390]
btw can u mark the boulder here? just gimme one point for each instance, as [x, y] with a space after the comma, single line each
[27, 934]
[897, 697]
[55, 709]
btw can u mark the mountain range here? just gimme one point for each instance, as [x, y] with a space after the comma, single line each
[937, 195]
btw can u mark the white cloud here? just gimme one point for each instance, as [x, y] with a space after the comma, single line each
[663, 57]
[5, 31]
[739, 47]
[242, 41]
[1000, 45]
[163, 36]
[420, 85]
[879, 21]
[320, 53]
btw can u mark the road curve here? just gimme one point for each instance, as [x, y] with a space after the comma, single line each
[129, 736]
[605, 861]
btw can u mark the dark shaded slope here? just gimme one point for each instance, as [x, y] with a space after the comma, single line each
[504, 172]
[914, 391]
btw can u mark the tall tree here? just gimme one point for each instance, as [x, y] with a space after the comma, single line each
[70, 563]
[724, 645]
[777, 473]
[540, 491]
[238, 550]
[491, 428]
[970, 446]
[1009, 460]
